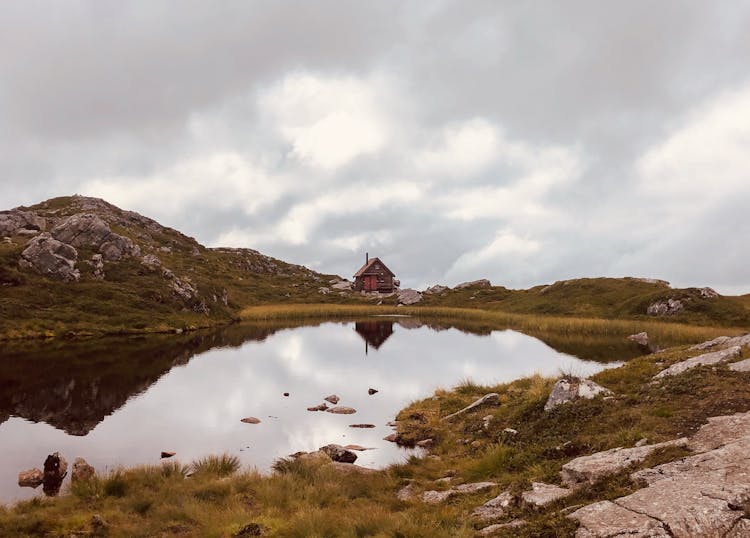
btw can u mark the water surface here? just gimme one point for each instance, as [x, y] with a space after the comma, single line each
[123, 401]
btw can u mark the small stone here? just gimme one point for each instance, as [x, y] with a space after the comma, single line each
[32, 478]
[494, 508]
[392, 438]
[167, 454]
[286, 394]
[425, 443]
[510, 431]
[569, 389]
[361, 425]
[321, 407]
[332, 399]
[436, 497]
[250, 420]
[341, 410]
[371, 391]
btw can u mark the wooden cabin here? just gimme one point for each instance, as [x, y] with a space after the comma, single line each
[375, 276]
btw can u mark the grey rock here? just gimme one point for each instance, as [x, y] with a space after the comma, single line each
[51, 257]
[707, 359]
[406, 493]
[494, 508]
[339, 453]
[607, 519]
[708, 293]
[18, 222]
[408, 296]
[473, 487]
[488, 399]
[542, 494]
[741, 366]
[32, 478]
[89, 230]
[437, 288]
[742, 341]
[665, 307]
[341, 285]
[569, 389]
[482, 283]
[719, 431]
[324, 290]
[82, 470]
[341, 410]
[590, 469]
[98, 266]
[741, 529]
[151, 261]
[435, 497]
[640, 338]
[716, 342]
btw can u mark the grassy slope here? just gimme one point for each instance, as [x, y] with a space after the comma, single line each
[309, 500]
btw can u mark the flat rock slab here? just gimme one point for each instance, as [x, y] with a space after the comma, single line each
[741, 366]
[542, 494]
[488, 399]
[590, 469]
[611, 520]
[707, 359]
[720, 431]
[341, 410]
[494, 508]
[493, 530]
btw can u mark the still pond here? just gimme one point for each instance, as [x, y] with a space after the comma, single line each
[121, 402]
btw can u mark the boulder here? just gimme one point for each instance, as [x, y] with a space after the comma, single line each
[665, 307]
[408, 296]
[81, 470]
[51, 257]
[741, 366]
[641, 338]
[341, 285]
[708, 293]
[339, 453]
[482, 283]
[707, 359]
[488, 399]
[406, 493]
[341, 410]
[15, 222]
[32, 478]
[569, 389]
[591, 469]
[89, 230]
[55, 470]
[543, 494]
[332, 399]
[151, 262]
[495, 508]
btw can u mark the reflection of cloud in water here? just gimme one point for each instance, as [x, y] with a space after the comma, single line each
[196, 410]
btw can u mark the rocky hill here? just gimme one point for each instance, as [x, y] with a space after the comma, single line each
[81, 265]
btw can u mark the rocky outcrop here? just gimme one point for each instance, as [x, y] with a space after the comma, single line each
[488, 399]
[51, 258]
[665, 307]
[482, 283]
[18, 222]
[716, 342]
[408, 296]
[591, 469]
[707, 359]
[437, 288]
[569, 389]
[607, 519]
[89, 230]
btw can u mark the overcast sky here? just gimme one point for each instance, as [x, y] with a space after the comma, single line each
[521, 141]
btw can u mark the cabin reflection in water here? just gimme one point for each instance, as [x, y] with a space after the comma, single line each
[374, 332]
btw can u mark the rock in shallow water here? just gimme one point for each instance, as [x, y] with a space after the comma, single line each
[30, 479]
[341, 410]
[250, 420]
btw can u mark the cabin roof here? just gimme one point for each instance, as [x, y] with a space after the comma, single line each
[368, 266]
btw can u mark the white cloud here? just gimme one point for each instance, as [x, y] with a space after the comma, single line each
[225, 179]
[708, 157]
[463, 150]
[506, 246]
[329, 121]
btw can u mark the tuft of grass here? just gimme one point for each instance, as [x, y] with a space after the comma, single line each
[115, 485]
[223, 465]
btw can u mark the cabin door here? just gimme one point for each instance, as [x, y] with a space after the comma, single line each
[371, 283]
